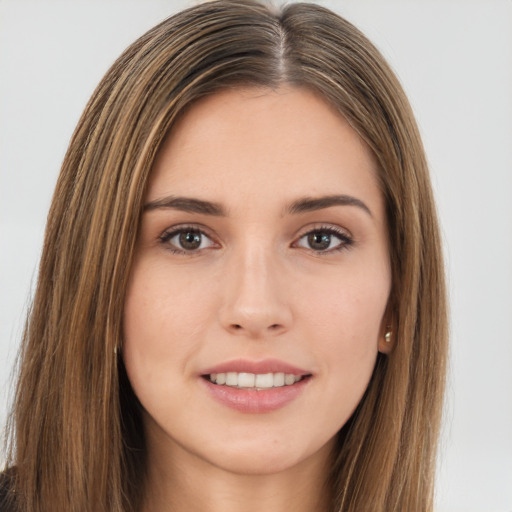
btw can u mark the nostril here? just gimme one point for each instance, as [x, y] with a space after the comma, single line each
[273, 327]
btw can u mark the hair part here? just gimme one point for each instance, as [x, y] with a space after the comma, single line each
[77, 435]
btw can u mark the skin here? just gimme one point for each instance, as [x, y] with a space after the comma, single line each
[255, 289]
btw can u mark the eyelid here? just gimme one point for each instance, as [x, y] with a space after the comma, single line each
[172, 231]
[343, 234]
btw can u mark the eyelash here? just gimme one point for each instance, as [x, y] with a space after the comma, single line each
[346, 241]
[169, 235]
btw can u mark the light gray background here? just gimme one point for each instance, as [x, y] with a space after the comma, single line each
[455, 61]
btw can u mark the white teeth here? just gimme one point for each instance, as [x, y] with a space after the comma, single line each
[231, 379]
[252, 380]
[264, 380]
[289, 379]
[278, 379]
[246, 380]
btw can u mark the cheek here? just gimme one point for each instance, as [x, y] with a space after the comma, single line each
[344, 317]
[160, 304]
[348, 335]
[161, 315]
[347, 309]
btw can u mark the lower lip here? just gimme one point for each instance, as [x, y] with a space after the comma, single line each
[253, 401]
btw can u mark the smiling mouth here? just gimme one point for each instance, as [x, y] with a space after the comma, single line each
[255, 381]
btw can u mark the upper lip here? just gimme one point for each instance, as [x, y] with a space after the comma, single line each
[257, 367]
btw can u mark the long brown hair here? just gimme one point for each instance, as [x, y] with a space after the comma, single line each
[76, 436]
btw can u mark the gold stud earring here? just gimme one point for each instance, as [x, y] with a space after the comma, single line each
[387, 337]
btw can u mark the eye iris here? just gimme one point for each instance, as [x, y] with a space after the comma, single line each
[319, 241]
[190, 240]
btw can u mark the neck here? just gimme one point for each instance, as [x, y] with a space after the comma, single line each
[192, 484]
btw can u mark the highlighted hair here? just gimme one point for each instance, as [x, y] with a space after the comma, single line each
[76, 433]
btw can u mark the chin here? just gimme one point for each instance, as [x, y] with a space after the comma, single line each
[268, 458]
[256, 464]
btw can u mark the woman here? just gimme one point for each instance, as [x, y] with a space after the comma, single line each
[240, 301]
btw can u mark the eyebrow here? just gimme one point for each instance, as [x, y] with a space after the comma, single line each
[303, 205]
[187, 204]
[309, 204]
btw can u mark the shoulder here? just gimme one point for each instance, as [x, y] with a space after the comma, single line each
[6, 479]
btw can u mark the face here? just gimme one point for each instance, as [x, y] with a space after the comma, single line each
[256, 302]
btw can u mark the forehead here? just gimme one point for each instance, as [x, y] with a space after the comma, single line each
[254, 141]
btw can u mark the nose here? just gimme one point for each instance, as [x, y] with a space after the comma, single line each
[255, 301]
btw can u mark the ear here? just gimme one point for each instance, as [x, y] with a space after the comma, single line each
[387, 334]
[386, 341]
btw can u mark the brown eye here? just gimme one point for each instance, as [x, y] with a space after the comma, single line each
[324, 240]
[190, 240]
[319, 241]
[186, 240]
